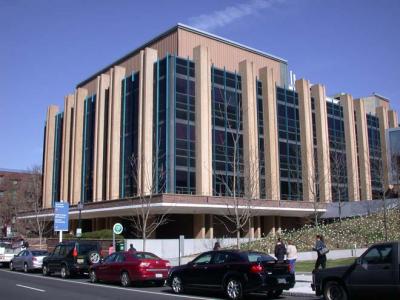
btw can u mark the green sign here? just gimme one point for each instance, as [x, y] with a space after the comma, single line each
[117, 228]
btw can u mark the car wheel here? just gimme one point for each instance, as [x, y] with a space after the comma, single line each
[177, 285]
[11, 265]
[93, 276]
[64, 272]
[333, 290]
[93, 257]
[233, 289]
[45, 270]
[26, 270]
[125, 280]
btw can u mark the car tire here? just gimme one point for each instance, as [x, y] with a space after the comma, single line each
[93, 257]
[26, 269]
[177, 285]
[93, 276]
[45, 270]
[334, 290]
[125, 280]
[234, 289]
[64, 272]
[11, 266]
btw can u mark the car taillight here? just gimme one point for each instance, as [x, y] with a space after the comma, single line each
[144, 264]
[34, 259]
[256, 269]
[168, 264]
[75, 252]
[290, 268]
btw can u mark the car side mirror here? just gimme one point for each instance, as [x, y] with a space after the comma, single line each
[358, 261]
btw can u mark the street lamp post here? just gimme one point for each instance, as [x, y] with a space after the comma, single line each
[79, 230]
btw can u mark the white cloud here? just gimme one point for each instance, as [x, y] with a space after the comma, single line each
[220, 18]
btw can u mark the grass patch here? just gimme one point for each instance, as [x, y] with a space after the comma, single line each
[308, 265]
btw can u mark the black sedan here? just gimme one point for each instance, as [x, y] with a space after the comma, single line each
[234, 272]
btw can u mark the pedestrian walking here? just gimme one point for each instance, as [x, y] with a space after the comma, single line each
[111, 249]
[217, 246]
[280, 250]
[322, 250]
[132, 249]
[291, 253]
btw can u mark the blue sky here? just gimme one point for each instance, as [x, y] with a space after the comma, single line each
[47, 47]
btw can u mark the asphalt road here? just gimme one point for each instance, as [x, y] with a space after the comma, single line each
[16, 285]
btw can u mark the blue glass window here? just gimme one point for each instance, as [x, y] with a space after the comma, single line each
[88, 148]
[59, 119]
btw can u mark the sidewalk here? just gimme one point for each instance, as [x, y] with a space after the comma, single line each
[302, 286]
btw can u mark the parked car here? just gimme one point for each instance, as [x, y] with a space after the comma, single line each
[72, 258]
[127, 267]
[237, 273]
[8, 249]
[375, 275]
[28, 260]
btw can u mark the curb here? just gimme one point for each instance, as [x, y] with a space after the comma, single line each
[298, 294]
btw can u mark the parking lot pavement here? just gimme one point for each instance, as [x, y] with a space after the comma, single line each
[32, 286]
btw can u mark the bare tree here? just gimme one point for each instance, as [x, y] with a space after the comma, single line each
[37, 226]
[338, 176]
[238, 213]
[143, 220]
[314, 183]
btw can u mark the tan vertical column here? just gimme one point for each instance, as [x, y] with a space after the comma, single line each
[150, 57]
[307, 148]
[363, 150]
[66, 148]
[269, 225]
[278, 225]
[346, 101]
[199, 226]
[393, 120]
[257, 230]
[114, 129]
[103, 83]
[250, 130]
[79, 105]
[321, 124]
[382, 114]
[49, 155]
[210, 228]
[201, 57]
[271, 142]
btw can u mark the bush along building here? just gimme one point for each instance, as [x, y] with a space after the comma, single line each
[204, 127]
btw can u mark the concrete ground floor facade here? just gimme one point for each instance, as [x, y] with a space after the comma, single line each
[197, 217]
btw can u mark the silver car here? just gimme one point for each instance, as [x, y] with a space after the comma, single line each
[28, 260]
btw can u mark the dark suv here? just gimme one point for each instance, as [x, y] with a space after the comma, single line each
[72, 258]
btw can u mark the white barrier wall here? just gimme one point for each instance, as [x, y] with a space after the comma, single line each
[169, 249]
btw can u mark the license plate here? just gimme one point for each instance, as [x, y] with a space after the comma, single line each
[282, 280]
[80, 260]
[158, 275]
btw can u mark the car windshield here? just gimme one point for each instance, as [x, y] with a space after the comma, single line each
[39, 253]
[6, 245]
[86, 248]
[258, 257]
[145, 255]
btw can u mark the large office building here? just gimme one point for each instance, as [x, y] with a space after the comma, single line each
[196, 121]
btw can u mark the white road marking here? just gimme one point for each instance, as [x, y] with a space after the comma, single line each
[29, 287]
[110, 286]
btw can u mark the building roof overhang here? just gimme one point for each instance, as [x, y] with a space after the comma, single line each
[186, 204]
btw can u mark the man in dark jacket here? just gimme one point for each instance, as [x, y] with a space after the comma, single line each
[319, 245]
[280, 250]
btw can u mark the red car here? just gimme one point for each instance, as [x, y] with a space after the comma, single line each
[127, 267]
